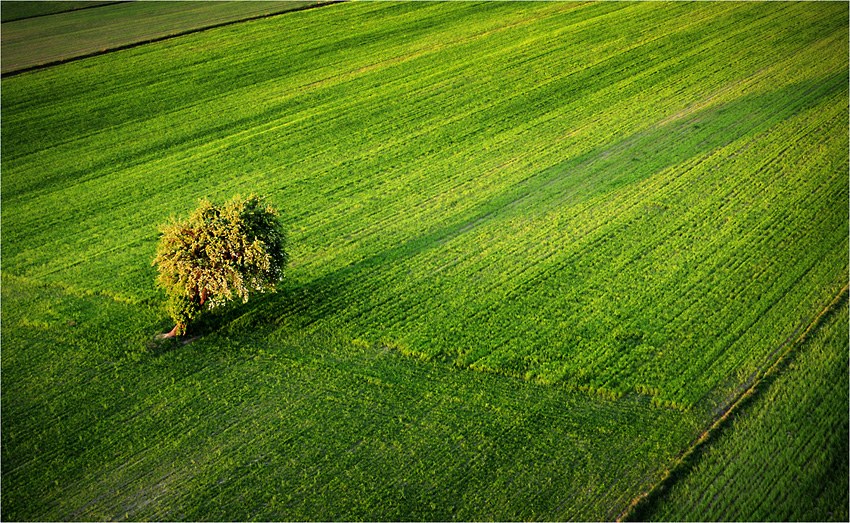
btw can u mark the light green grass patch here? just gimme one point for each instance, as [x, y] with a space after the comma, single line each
[620, 197]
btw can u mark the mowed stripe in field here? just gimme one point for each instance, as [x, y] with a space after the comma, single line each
[620, 197]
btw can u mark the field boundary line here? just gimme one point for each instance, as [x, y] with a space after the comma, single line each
[681, 465]
[104, 4]
[156, 39]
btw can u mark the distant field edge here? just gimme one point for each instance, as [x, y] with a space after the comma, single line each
[88, 5]
[640, 506]
[138, 43]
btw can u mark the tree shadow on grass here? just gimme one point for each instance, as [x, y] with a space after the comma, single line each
[300, 304]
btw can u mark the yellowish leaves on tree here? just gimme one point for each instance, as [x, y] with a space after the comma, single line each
[218, 254]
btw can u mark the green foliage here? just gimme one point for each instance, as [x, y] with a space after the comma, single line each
[218, 254]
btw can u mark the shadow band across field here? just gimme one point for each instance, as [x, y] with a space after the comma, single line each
[599, 171]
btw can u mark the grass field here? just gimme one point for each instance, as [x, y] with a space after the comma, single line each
[621, 213]
[793, 441]
[302, 424]
[31, 39]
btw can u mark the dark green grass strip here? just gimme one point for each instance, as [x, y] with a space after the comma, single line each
[99, 422]
[665, 500]
[11, 69]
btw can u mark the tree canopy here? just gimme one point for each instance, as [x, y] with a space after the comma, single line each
[221, 252]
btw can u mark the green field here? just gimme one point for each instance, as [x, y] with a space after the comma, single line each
[299, 424]
[33, 39]
[793, 439]
[536, 249]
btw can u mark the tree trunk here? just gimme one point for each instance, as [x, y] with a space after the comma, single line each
[171, 334]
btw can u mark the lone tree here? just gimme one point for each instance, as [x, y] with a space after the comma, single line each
[219, 253]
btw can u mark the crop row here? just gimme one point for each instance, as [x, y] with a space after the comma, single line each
[470, 300]
[689, 264]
